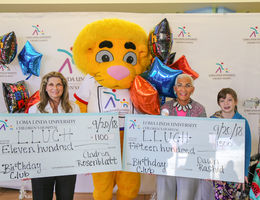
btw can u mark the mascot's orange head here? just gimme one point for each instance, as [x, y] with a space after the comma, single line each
[113, 51]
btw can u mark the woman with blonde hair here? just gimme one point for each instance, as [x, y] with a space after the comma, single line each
[54, 98]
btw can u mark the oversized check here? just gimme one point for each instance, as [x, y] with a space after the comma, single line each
[39, 145]
[187, 147]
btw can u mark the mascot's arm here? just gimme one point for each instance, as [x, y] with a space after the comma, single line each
[83, 107]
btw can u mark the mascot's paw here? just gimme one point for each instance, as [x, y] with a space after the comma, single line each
[83, 107]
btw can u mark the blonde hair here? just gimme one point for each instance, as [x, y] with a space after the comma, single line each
[44, 97]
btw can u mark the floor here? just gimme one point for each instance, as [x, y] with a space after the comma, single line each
[12, 194]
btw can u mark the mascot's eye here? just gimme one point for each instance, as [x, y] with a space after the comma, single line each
[130, 58]
[104, 56]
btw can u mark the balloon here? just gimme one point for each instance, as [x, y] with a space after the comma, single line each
[8, 48]
[170, 59]
[163, 78]
[35, 98]
[16, 95]
[144, 96]
[182, 64]
[30, 60]
[160, 40]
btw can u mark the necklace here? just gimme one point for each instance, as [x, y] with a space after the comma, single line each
[181, 107]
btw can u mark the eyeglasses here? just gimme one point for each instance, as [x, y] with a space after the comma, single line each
[187, 86]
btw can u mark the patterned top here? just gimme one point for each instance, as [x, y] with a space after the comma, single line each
[197, 110]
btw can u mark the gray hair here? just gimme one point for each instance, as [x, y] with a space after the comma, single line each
[184, 76]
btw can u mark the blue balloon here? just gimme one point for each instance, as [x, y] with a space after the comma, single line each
[162, 78]
[30, 60]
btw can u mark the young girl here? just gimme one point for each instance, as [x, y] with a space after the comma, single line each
[227, 100]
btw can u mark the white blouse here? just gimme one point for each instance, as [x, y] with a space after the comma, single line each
[34, 109]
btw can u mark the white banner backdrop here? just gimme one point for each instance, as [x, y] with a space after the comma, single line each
[223, 48]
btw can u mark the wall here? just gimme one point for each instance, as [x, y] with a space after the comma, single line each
[144, 6]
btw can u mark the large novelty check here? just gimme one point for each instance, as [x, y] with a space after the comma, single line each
[39, 145]
[188, 147]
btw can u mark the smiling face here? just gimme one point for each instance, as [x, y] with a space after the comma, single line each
[114, 63]
[227, 104]
[184, 89]
[54, 88]
[113, 51]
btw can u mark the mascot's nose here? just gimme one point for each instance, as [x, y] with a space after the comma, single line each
[118, 72]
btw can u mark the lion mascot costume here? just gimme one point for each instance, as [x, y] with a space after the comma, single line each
[111, 52]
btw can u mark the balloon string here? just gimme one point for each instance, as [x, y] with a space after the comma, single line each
[29, 76]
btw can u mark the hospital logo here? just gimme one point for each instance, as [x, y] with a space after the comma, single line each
[183, 35]
[254, 32]
[4, 67]
[253, 36]
[5, 71]
[133, 124]
[66, 67]
[221, 68]
[37, 30]
[183, 32]
[252, 106]
[37, 34]
[221, 72]
[4, 126]
[68, 61]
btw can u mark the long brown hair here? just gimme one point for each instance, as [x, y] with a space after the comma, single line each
[44, 97]
[223, 93]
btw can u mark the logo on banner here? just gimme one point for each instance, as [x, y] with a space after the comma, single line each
[38, 34]
[4, 67]
[5, 71]
[183, 35]
[4, 125]
[222, 72]
[37, 30]
[252, 106]
[254, 32]
[253, 35]
[221, 68]
[68, 61]
[67, 66]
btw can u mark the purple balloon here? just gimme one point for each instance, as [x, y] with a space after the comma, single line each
[162, 78]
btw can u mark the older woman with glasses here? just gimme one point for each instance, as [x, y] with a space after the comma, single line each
[170, 187]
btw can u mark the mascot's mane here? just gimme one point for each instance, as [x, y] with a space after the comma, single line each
[106, 29]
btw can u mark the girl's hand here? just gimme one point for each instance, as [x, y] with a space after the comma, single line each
[220, 182]
[243, 184]
[26, 179]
